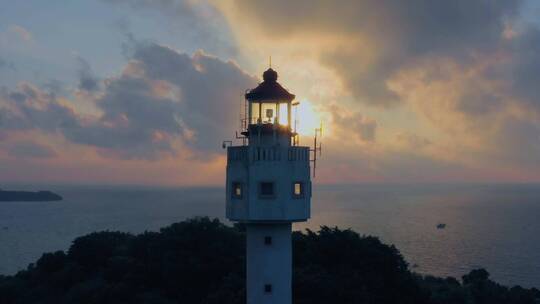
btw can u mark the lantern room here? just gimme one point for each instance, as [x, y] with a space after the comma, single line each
[269, 102]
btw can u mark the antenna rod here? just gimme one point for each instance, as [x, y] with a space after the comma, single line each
[315, 154]
[318, 131]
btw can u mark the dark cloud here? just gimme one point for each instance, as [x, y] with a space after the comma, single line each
[412, 141]
[418, 25]
[27, 107]
[364, 128]
[384, 36]
[475, 101]
[87, 81]
[135, 122]
[210, 90]
[28, 149]
[163, 100]
[522, 71]
[472, 68]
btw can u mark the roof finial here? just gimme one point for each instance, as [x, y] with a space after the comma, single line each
[270, 61]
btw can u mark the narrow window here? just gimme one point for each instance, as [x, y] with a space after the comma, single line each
[298, 190]
[268, 288]
[255, 113]
[267, 190]
[236, 192]
[268, 240]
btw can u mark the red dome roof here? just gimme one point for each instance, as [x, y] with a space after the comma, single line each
[269, 89]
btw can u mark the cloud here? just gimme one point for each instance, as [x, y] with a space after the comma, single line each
[344, 160]
[479, 111]
[444, 89]
[522, 68]
[54, 86]
[211, 90]
[87, 80]
[27, 149]
[198, 22]
[373, 39]
[412, 141]
[363, 128]
[28, 107]
[466, 72]
[163, 103]
[136, 122]
[20, 32]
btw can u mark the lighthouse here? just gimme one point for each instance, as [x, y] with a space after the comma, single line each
[268, 187]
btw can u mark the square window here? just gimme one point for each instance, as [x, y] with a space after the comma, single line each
[236, 191]
[298, 190]
[268, 288]
[268, 240]
[267, 190]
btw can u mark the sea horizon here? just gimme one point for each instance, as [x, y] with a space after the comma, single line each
[405, 215]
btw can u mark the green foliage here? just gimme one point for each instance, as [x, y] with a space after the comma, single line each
[340, 266]
[477, 288]
[203, 261]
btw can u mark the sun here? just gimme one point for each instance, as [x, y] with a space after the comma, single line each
[306, 119]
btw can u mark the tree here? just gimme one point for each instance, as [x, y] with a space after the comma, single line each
[203, 261]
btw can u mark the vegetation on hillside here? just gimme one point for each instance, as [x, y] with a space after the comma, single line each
[202, 261]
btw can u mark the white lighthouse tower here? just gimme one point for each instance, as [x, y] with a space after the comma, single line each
[268, 188]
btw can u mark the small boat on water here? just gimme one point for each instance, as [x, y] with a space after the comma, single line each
[441, 226]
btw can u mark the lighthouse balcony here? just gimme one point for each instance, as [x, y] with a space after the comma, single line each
[267, 154]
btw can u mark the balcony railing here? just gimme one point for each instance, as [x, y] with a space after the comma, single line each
[298, 153]
[270, 154]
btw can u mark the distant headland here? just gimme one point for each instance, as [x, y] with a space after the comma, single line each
[28, 196]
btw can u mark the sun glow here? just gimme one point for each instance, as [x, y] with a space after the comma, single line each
[306, 119]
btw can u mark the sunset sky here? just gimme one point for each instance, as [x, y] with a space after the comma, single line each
[144, 92]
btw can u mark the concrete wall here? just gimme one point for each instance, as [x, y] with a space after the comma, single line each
[283, 166]
[269, 157]
[269, 264]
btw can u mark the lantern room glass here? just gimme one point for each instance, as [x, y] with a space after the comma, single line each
[270, 113]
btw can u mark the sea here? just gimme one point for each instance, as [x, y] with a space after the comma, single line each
[494, 226]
